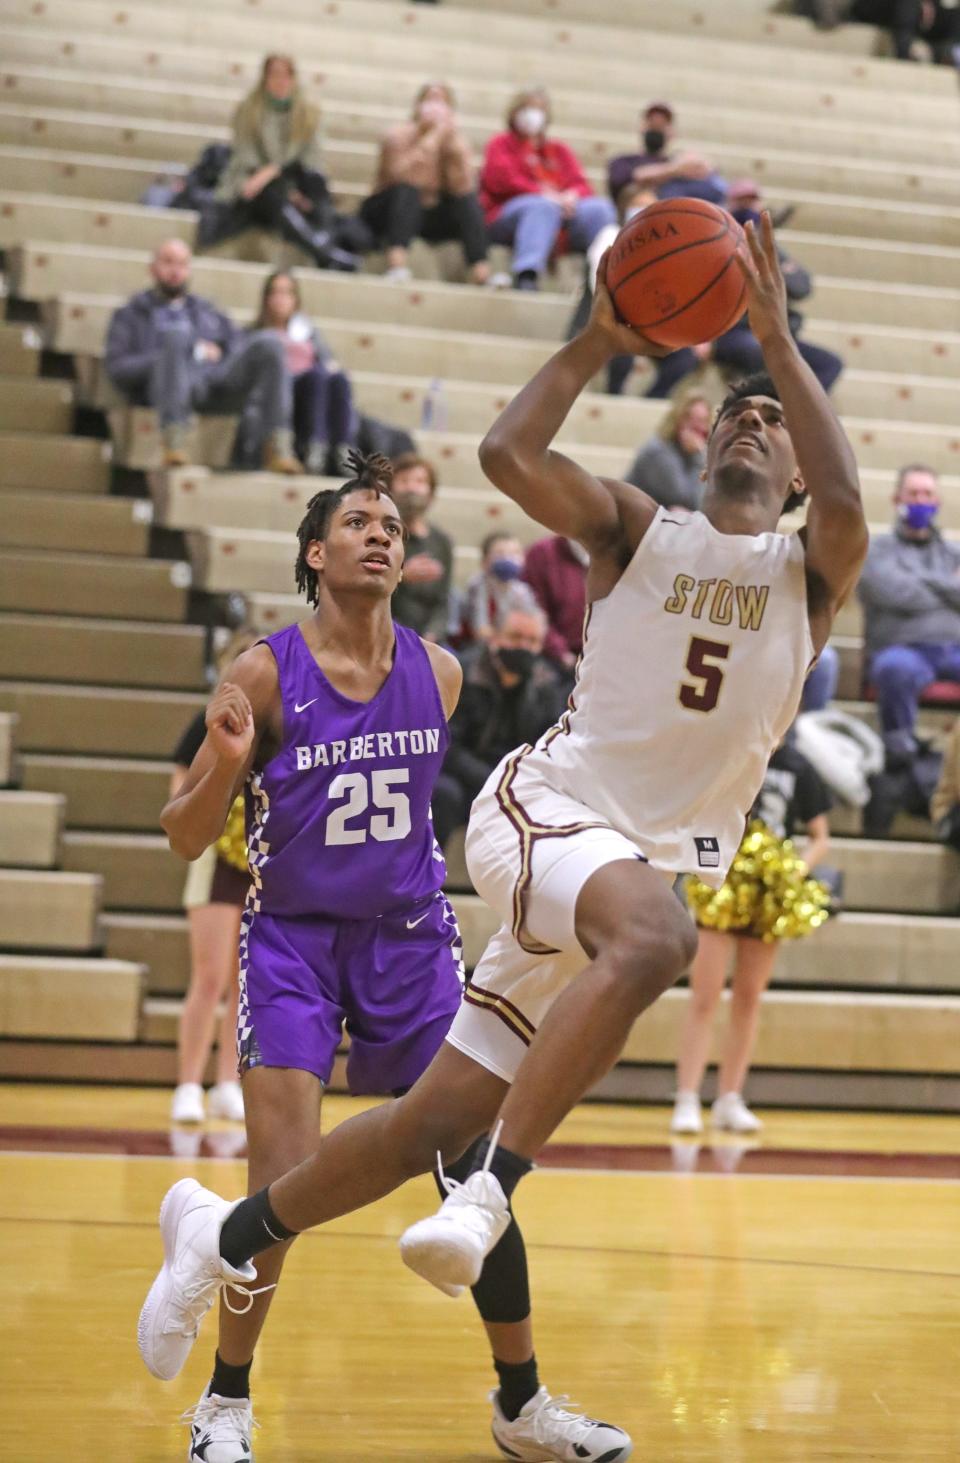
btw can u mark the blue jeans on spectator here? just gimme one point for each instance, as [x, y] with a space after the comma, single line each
[900, 674]
[821, 684]
[323, 412]
[531, 224]
[740, 350]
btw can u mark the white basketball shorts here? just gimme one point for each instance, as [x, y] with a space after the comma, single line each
[530, 850]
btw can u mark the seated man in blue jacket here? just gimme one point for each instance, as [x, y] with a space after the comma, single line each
[910, 592]
[173, 350]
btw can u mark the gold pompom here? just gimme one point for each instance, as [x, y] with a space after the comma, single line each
[767, 893]
[231, 846]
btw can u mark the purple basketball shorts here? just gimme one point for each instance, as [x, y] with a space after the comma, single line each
[395, 983]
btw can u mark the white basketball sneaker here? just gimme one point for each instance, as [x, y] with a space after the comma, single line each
[226, 1101]
[187, 1103]
[220, 1429]
[731, 1112]
[687, 1117]
[545, 1429]
[449, 1248]
[192, 1276]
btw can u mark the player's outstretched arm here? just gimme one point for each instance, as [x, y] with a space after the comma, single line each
[836, 533]
[516, 454]
[236, 718]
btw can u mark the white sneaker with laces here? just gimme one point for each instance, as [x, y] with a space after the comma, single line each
[687, 1117]
[449, 1248]
[731, 1113]
[220, 1429]
[192, 1276]
[226, 1101]
[545, 1429]
[187, 1104]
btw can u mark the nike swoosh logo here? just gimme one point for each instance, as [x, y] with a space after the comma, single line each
[412, 923]
[305, 704]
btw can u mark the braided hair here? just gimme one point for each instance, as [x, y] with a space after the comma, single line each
[373, 473]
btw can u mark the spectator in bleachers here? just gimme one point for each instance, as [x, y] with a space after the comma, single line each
[738, 350]
[556, 570]
[935, 22]
[175, 351]
[214, 896]
[668, 175]
[426, 186]
[325, 421]
[671, 465]
[910, 592]
[511, 695]
[422, 598]
[274, 178]
[532, 188]
[495, 590]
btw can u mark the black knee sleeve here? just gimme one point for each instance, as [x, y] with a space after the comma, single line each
[502, 1294]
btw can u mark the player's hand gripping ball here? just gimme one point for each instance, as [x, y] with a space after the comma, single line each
[672, 272]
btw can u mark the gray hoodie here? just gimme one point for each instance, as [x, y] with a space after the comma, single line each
[910, 591]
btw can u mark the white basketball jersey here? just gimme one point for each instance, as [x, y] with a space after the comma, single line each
[692, 672]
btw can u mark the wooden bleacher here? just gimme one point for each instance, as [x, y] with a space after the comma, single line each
[105, 596]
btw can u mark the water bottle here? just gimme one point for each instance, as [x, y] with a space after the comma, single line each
[433, 413]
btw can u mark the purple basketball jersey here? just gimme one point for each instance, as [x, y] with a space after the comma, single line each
[338, 822]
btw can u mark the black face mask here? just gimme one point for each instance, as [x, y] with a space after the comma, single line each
[516, 660]
[654, 139]
[172, 291]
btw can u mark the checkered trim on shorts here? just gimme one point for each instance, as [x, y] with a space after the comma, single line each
[258, 850]
[456, 940]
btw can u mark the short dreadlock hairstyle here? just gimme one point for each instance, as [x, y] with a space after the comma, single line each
[759, 384]
[375, 473]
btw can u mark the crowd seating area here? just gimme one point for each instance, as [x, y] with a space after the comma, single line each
[112, 571]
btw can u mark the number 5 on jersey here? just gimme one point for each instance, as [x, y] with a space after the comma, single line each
[701, 664]
[362, 792]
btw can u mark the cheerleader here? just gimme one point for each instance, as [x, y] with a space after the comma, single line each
[767, 897]
[214, 896]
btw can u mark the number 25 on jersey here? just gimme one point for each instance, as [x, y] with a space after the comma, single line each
[363, 792]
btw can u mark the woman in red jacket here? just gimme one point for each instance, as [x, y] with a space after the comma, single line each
[531, 187]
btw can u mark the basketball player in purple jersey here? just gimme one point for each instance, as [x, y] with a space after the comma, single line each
[337, 727]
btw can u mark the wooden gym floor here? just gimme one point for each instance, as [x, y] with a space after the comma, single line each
[798, 1308]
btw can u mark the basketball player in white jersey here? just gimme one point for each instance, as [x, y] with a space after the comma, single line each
[701, 629]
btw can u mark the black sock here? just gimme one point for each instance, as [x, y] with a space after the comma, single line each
[230, 1381]
[518, 1383]
[508, 1167]
[251, 1227]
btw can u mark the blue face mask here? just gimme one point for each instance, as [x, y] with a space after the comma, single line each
[918, 515]
[505, 570]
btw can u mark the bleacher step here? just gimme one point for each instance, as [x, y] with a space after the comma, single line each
[62, 999]
[31, 824]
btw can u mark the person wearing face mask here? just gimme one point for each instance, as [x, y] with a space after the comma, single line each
[493, 593]
[422, 598]
[426, 186]
[556, 570]
[532, 187]
[170, 349]
[668, 175]
[511, 695]
[274, 179]
[910, 592]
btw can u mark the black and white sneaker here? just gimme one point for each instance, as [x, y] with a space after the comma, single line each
[220, 1429]
[545, 1430]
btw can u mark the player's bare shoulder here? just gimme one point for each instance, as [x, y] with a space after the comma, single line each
[255, 670]
[449, 674]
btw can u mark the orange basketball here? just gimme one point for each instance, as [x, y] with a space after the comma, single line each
[671, 272]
